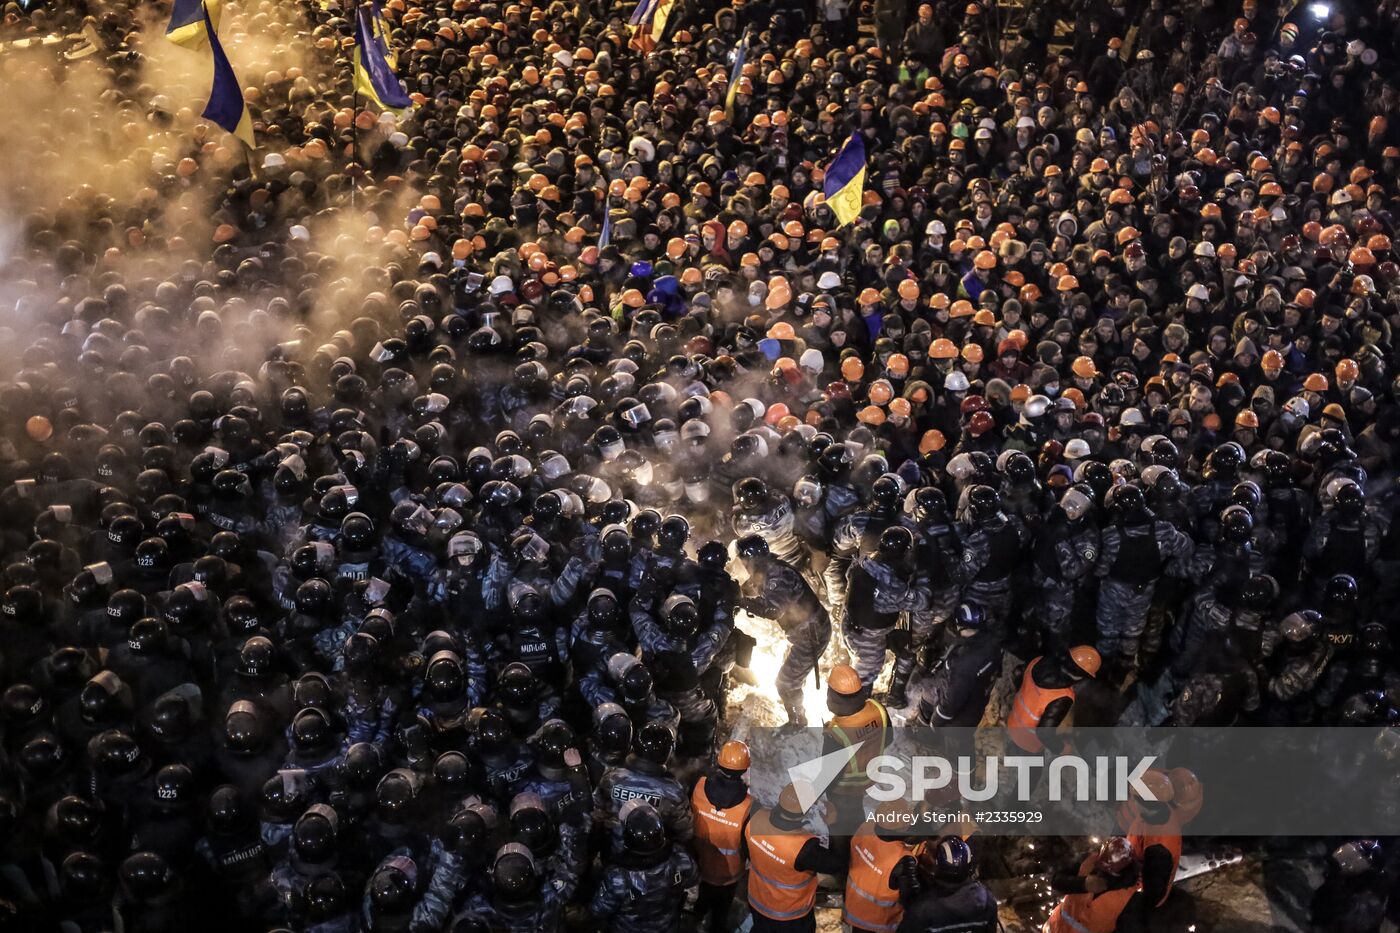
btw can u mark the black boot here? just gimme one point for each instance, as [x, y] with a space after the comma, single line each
[897, 697]
[796, 714]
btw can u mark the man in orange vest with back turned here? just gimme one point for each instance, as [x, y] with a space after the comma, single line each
[784, 861]
[856, 718]
[1155, 833]
[883, 868]
[1047, 694]
[721, 804]
[1103, 896]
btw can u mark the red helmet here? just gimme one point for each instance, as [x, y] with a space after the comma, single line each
[980, 423]
[973, 404]
[1115, 855]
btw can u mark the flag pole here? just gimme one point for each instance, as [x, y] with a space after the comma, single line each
[354, 117]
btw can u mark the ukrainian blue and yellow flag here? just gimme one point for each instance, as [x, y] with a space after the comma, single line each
[648, 23]
[374, 77]
[844, 184]
[187, 18]
[735, 74]
[226, 105]
[381, 32]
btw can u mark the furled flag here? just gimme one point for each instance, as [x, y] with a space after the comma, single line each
[845, 180]
[374, 78]
[186, 27]
[226, 105]
[648, 23]
[605, 237]
[735, 75]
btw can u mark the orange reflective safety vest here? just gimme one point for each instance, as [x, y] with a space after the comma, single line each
[1029, 706]
[776, 888]
[870, 902]
[1145, 835]
[870, 724]
[1089, 913]
[719, 833]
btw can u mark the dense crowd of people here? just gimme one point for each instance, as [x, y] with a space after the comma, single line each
[379, 505]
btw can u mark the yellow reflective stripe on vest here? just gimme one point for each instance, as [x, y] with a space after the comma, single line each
[1034, 717]
[778, 884]
[1068, 917]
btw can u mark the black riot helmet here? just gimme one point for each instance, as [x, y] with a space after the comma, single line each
[390, 892]
[82, 876]
[444, 680]
[929, 505]
[603, 608]
[146, 876]
[452, 770]
[713, 556]
[983, 502]
[314, 834]
[612, 729]
[750, 547]
[513, 874]
[1236, 524]
[517, 685]
[74, 820]
[125, 532]
[313, 597]
[1224, 461]
[552, 741]
[1341, 594]
[357, 531]
[885, 494]
[1349, 501]
[1127, 502]
[674, 533]
[153, 556]
[225, 809]
[124, 607]
[656, 742]
[324, 896]
[750, 493]
[174, 787]
[642, 829]
[171, 719]
[312, 731]
[148, 636]
[895, 544]
[244, 732]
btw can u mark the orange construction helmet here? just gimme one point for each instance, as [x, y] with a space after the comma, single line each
[734, 756]
[39, 428]
[844, 680]
[1087, 659]
[943, 349]
[932, 440]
